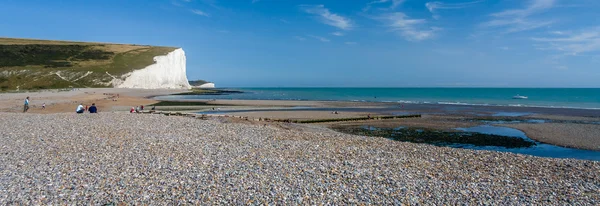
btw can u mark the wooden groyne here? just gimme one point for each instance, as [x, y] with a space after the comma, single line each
[348, 119]
[307, 121]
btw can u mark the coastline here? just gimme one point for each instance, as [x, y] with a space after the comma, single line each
[446, 116]
[58, 102]
[139, 153]
[573, 98]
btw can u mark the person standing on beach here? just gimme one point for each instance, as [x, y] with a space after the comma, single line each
[26, 105]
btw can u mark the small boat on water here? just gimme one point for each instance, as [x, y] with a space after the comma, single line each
[520, 97]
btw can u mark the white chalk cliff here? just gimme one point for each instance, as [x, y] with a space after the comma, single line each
[207, 85]
[168, 72]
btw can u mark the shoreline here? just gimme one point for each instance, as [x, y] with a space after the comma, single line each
[220, 92]
[144, 157]
[420, 107]
[306, 110]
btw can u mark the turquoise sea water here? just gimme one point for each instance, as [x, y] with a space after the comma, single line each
[588, 98]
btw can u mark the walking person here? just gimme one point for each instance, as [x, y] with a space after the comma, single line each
[26, 105]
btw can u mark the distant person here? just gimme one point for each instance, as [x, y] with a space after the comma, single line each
[137, 109]
[142, 107]
[132, 110]
[93, 108]
[80, 109]
[26, 105]
[44, 105]
[154, 108]
[86, 108]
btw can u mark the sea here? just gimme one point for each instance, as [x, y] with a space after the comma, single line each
[581, 98]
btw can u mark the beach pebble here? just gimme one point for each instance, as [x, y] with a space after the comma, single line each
[119, 158]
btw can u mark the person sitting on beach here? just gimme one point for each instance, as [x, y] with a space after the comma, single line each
[80, 109]
[132, 110]
[44, 105]
[153, 108]
[93, 108]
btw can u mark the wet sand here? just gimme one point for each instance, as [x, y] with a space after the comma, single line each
[583, 136]
[295, 115]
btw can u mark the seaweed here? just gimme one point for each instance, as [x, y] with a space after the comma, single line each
[440, 138]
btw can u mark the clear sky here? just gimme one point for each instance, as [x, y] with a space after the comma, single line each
[348, 43]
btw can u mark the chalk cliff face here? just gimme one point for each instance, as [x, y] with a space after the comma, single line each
[168, 72]
[207, 85]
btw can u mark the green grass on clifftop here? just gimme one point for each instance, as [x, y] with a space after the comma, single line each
[43, 64]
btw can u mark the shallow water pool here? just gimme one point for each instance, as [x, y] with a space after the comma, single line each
[511, 114]
[541, 149]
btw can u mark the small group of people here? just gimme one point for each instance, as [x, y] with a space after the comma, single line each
[137, 109]
[80, 109]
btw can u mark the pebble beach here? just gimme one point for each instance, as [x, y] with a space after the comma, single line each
[121, 158]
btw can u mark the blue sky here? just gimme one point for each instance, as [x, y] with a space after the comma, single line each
[335, 43]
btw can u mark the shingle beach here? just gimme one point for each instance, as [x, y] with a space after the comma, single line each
[153, 159]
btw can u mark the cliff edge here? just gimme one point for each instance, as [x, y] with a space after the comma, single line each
[169, 72]
[45, 64]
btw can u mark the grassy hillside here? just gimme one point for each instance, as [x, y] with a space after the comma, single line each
[42, 64]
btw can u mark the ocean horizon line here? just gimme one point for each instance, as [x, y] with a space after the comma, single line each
[406, 87]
